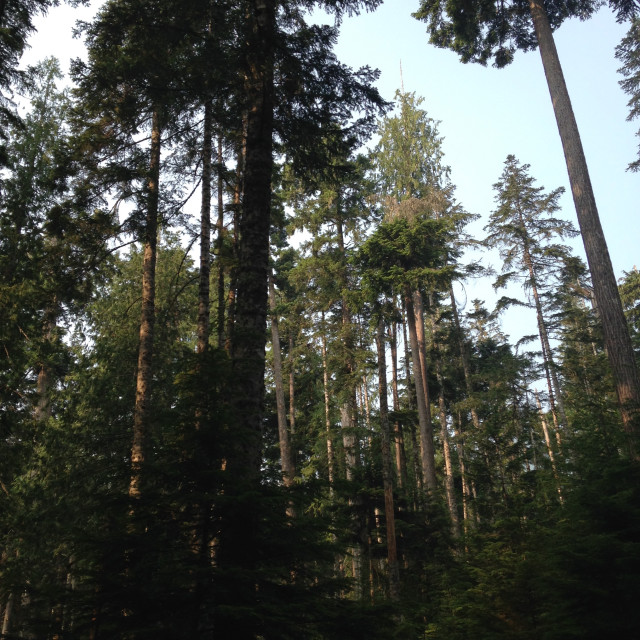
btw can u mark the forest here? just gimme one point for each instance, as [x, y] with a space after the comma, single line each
[240, 394]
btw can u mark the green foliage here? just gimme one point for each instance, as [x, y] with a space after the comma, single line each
[486, 30]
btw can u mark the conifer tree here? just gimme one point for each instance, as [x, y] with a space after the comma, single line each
[524, 230]
[628, 53]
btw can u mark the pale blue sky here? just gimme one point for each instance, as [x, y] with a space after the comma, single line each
[485, 113]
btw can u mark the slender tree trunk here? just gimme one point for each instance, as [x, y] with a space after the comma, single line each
[220, 246]
[292, 388]
[401, 456]
[555, 396]
[142, 409]
[348, 409]
[411, 392]
[286, 458]
[427, 451]
[464, 357]
[547, 440]
[452, 503]
[392, 553]
[616, 333]
[233, 272]
[7, 617]
[468, 513]
[205, 232]
[327, 413]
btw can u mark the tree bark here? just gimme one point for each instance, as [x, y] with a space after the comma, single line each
[452, 503]
[401, 456]
[286, 459]
[327, 413]
[220, 246]
[205, 232]
[392, 552]
[142, 409]
[411, 392]
[616, 333]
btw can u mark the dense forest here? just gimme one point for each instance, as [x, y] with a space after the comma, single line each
[240, 396]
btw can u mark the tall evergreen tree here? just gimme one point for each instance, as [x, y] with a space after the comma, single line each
[524, 230]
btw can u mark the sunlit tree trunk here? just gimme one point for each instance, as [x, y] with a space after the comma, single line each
[427, 451]
[547, 440]
[411, 391]
[327, 407]
[220, 245]
[286, 458]
[205, 232]
[392, 553]
[400, 453]
[452, 503]
[142, 409]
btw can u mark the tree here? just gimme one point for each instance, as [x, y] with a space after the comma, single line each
[524, 230]
[628, 53]
[483, 30]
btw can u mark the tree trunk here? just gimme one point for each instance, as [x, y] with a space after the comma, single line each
[411, 392]
[233, 272]
[452, 503]
[7, 616]
[220, 246]
[427, 452]
[616, 333]
[466, 368]
[392, 553]
[238, 554]
[142, 409]
[555, 397]
[401, 456]
[327, 413]
[292, 388]
[205, 232]
[547, 440]
[286, 459]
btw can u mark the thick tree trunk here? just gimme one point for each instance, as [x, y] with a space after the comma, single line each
[427, 450]
[238, 554]
[249, 339]
[614, 325]
[286, 458]
[142, 409]
[392, 553]
[205, 232]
